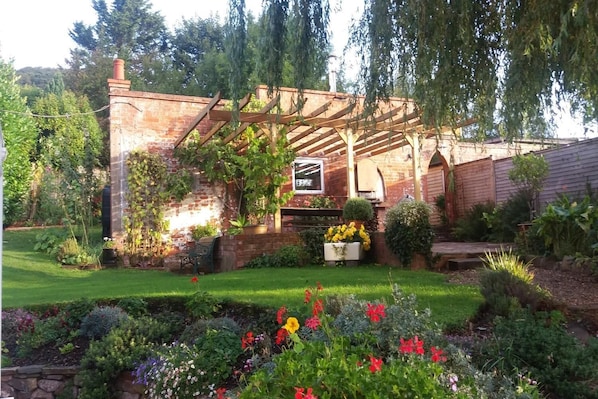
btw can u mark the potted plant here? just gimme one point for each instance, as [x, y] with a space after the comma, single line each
[345, 243]
[203, 230]
[357, 210]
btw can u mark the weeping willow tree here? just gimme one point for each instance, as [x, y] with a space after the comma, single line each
[292, 32]
[500, 61]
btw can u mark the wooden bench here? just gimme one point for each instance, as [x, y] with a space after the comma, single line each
[200, 255]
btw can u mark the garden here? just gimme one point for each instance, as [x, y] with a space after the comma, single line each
[275, 330]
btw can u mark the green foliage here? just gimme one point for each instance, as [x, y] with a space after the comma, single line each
[440, 204]
[101, 320]
[472, 226]
[48, 241]
[49, 330]
[507, 286]
[188, 371]
[408, 230]
[256, 175]
[286, 256]
[503, 222]
[147, 197]
[200, 327]
[529, 173]
[202, 304]
[69, 252]
[569, 227]
[178, 184]
[76, 310]
[121, 350]
[359, 350]
[358, 209]
[539, 344]
[203, 230]
[19, 134]
[313, 242]
[134, 307]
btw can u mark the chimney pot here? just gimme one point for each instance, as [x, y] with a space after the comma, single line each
[119, 69]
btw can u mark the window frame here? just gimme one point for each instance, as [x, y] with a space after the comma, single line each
[315, 161]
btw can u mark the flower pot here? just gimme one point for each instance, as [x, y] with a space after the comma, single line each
[109, 256]
[343, 251]
[255, 229]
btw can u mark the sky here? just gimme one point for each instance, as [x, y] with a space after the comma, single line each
[34, 33]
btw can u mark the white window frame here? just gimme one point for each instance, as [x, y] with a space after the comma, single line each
[315, 161]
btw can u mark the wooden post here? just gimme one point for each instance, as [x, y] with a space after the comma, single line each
[277, 215]
[413, 139]
[349, 138]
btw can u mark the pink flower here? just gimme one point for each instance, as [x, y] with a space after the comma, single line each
[375, 312]
[300, 395]
[313, 322]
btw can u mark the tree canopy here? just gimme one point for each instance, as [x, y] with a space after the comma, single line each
[497, 60]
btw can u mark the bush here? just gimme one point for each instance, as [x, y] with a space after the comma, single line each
[70, 253]
[48, 241]
[504, 220]
[408, 231]
[75, 311]
[473, 227]
[202, 304]
[286, 256]
[101, 320]
[199, 328]
[201, 230]
[313, 243]
[134, 307]
[358, 208]
[121, 350]
[540, 345]
[507, 286]
[49, 330]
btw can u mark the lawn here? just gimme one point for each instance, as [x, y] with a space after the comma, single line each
[31, 278]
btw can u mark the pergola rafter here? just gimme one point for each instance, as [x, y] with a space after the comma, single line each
[328, 124]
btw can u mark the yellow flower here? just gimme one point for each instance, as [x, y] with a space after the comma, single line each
[292, 325]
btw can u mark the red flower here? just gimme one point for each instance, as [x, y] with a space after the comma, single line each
[300, 395]
[247, 340]
[376, 312]
[221, 392]
[280, 314]
[320, 288]
[318, 307]
[313, 322]
[194, 279]
[437, 355]
[406, 346]
[307, 296]
[376, 364]
[281, 336]
[419, 346]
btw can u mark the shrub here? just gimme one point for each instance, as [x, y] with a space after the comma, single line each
[101, 320]
[75, 311]
[507, 286]
[504, 220]
[70, 253]
[202, 304]
[199, 328]
[408, 231]
[47, 330]
[121, 350]
[358, 208]
[539, 344]
[48, 241]
[286, 256]
[180, 371]
[472, 226]
[313, 243]
[134, 307]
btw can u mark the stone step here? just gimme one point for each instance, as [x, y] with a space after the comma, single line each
[465, 263]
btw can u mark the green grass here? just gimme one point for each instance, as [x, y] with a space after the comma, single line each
[32, 278]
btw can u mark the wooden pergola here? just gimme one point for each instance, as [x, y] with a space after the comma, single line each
[327, 124]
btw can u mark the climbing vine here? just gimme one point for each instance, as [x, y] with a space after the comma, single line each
[147, 196]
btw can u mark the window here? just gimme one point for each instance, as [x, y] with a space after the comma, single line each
[308, 176]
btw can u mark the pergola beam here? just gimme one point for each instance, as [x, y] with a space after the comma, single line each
[204, 112]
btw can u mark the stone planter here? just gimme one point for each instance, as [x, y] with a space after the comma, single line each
[255, 229]
[351, 252]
